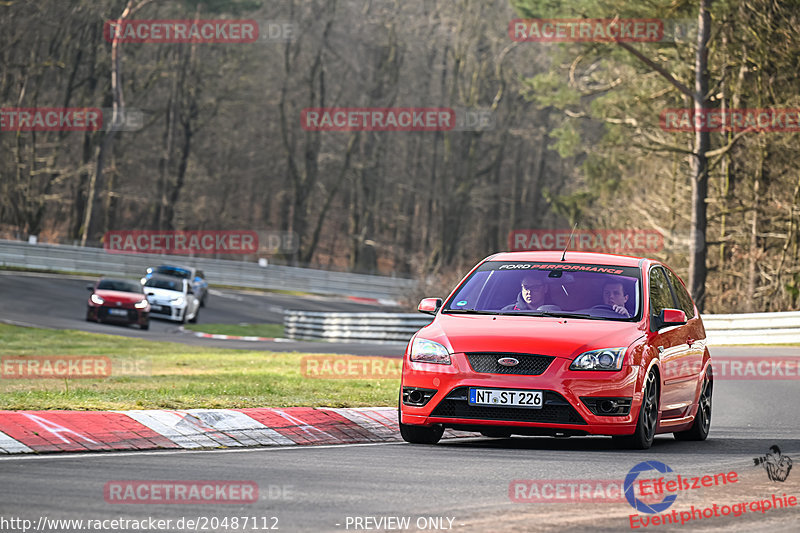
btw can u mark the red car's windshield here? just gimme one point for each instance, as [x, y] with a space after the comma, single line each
[119, 285]
[519, 287]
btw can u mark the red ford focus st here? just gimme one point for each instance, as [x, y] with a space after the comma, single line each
[531, 344]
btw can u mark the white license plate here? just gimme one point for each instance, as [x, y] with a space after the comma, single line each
[118, 312]
[532, 399]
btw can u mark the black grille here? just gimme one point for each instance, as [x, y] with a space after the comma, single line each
[555, 410]
[529, 365]
[608, 406]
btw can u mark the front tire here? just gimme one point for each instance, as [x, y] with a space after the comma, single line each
[193, 320]
[647, 421]
[419, 434]
[702, 422]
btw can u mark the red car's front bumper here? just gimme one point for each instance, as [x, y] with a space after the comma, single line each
[565, 408]
[104, 313]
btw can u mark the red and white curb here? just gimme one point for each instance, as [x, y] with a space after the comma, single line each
[78, 431]
[374, 301]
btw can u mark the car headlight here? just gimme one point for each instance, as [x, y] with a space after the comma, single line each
[425, 351]
[605, 359]
[97, 300]
[180, 300]
[143, 280]
[140, 305]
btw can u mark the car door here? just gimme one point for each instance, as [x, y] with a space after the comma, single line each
[671, 344]
[192, 303]
[694, 336]
[201, 285]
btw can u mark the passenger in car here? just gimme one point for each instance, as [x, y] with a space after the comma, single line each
[531, 297]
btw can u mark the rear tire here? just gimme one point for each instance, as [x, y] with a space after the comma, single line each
[702, 422]
[647, 421]
[145, 326]
[419, 434]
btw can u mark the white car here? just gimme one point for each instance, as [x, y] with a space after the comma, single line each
[172, 298]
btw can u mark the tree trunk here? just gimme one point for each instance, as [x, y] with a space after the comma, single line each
[702, 143]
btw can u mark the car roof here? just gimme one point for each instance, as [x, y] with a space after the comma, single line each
[176, 267]
[571, 257]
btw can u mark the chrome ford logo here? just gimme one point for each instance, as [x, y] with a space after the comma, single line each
[508, 361]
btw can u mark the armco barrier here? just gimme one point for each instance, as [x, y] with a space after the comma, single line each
[754, 328]
[353, 327]
[219, 271]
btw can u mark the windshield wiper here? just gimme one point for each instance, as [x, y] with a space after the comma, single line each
[470, 312]
[557, 314]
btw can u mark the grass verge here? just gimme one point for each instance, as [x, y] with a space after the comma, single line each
[163, 375]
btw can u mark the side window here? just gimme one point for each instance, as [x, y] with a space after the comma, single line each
[683, 297]
[660, 295]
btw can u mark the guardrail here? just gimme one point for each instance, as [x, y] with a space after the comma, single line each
[220, 271]
[353, 327]
[752, 328]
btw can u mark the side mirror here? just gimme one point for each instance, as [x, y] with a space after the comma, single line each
[429, 305]
[669, 317]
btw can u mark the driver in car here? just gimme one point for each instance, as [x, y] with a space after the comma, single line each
[615, 297]
[531, 296]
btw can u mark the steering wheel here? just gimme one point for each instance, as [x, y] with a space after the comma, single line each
[603, 306]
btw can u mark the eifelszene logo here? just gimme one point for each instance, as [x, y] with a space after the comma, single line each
[630, 495]
[777, 466]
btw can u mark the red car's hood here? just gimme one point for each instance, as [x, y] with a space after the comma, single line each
[119, 296]
[521, 334]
